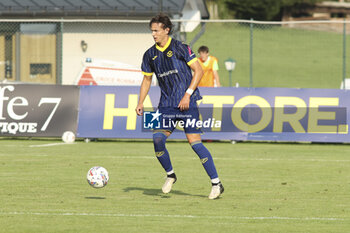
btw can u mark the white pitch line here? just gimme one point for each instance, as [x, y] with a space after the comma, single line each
[234, 159]
[270, 159]
[52, 144]
[132, 157]
[175, 216]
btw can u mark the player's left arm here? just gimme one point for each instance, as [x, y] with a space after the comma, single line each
[216, 78]
[215, 72]
[196, 78]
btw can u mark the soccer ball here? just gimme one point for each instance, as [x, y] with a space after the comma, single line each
[68, 137]
[97, 177]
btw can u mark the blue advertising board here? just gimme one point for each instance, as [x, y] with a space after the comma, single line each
[264, 114]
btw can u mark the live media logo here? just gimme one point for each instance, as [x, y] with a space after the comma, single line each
[152, 120]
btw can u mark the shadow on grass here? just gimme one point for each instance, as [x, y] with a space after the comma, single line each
[96, 198]
[158, 192]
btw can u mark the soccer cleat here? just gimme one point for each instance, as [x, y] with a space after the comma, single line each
[170, 180]
[216, 191]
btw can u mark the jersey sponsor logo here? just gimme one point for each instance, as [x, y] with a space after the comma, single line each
[170, 53]
[168, 73]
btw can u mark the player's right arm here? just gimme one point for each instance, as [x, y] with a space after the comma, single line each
[145, 85]
[146, 82]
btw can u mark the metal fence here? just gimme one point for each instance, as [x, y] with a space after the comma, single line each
[302, 54]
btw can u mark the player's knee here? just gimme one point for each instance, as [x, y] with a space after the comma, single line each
[159, 140]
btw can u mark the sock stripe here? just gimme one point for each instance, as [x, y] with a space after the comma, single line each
[195, 143]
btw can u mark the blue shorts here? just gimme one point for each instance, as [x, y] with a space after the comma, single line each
[172, 118]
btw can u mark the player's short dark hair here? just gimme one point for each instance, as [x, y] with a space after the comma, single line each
[164, 19]
[203, 49]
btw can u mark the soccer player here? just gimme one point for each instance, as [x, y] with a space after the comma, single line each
[173, 63]
[210, 67]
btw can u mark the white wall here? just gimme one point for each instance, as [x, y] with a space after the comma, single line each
[190, 12]
[124, 43]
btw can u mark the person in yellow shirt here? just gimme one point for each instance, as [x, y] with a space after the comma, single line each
[210, 67]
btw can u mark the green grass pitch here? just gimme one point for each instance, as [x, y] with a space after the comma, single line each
[269, 187]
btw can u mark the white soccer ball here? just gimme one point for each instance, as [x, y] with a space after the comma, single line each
[68, 137]
[97, 177]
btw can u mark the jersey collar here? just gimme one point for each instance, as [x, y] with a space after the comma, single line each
[165, 47]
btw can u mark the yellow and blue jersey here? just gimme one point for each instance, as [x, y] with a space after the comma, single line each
[171, 67]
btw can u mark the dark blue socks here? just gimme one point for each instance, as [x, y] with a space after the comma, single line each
[206, 159]
[162, 154]
[204, 155]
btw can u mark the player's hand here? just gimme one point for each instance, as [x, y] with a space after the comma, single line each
[139, 109]
[184, 103]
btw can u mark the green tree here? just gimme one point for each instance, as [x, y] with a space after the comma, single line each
[259, 10]
[264, 9]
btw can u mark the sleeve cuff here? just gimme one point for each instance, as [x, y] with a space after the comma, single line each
[192, 61]
[147, 74]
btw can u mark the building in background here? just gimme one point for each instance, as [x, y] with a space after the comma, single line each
[36, 46]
